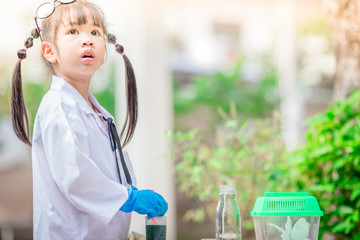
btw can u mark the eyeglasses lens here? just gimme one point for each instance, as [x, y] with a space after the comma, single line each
[45, 10]
[66, 1]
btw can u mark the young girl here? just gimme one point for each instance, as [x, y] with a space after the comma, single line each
[83, 183]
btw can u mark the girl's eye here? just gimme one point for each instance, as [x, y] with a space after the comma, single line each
[95, 33]
[72, 32]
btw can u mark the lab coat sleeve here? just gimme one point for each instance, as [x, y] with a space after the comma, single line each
[78, 177]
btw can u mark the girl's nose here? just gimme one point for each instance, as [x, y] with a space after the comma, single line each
[87, 43]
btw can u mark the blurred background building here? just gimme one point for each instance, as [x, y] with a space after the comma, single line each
[169, 42]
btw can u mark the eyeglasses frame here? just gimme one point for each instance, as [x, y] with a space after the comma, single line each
[37, 17]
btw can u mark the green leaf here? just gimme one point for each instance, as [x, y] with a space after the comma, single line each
[340, 162]
[356, 216]
[323, 188]
[196, 215]
[214, 164]
[322, 150]
[341, 227]
[355, 194]
[345, 210]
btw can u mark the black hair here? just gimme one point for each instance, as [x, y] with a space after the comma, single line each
[19, 116]
[131, 93]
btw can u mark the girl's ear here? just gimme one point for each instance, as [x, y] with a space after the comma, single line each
[48, 52]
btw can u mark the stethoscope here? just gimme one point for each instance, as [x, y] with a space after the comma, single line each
[115, 144]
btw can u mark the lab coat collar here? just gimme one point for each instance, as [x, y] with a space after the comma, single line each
[59, 83]
[98, 106]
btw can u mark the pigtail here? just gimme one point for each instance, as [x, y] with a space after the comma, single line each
[19, 116]
[131, 94]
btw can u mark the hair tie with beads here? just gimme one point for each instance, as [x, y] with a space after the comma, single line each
[21, 54]
[20, 60]
[119, 47]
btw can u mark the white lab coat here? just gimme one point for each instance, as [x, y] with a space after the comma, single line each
[76, 191]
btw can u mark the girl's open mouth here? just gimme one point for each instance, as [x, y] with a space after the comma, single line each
[88, 55]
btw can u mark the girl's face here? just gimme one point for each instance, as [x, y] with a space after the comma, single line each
[79, 51]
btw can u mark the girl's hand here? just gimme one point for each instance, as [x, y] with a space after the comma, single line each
[145, 202]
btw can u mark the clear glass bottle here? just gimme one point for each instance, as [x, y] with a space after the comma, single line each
[228, 218]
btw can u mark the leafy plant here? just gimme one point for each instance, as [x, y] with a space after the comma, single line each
[329, 165]
[224, 87]
[249, 154]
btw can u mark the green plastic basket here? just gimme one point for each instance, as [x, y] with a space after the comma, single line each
[278, 204]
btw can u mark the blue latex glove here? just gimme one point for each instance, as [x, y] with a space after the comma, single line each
[145, 202]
